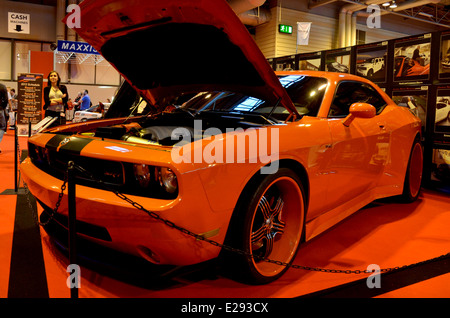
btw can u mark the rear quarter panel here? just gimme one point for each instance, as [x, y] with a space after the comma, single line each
[404, 127]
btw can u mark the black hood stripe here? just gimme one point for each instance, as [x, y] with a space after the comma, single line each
[73, 146]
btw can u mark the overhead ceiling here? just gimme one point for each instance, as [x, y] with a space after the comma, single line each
[437, 14]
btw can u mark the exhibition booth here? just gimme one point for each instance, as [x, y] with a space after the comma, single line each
[101, 209]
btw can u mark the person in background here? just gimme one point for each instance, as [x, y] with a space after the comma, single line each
[8, 89]
[8, 106]
[13, 110]
[55, 98]
[76, 103]
[70, 110]
[85, 101]
[3, 106]
[101, 109]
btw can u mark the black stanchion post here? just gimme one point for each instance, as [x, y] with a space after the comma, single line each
[72, 222]
[16, 155]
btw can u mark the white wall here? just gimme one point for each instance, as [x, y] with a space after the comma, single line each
[324, 34]
[42, 20]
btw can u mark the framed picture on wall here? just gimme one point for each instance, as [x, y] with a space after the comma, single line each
[285, 63]
[442, 115]
[338, 60]
[413, 98]
[440, 168]
[412, 57]
[309, 61]
[371, 61]
[444, 56]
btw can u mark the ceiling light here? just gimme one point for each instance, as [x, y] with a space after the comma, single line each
[393, 5]
[386, 4]
[426, 14]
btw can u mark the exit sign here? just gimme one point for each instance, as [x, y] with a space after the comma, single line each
[283, 28]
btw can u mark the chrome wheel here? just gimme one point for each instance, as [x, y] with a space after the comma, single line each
[268, 224]
[277, 226]
[263, 238]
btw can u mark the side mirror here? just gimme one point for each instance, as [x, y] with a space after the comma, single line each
[359, 110]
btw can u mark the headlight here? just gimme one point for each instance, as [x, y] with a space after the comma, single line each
[167, 179]
[142, 174]
[154, 179]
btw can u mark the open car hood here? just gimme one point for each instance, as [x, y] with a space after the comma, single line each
[164, 48]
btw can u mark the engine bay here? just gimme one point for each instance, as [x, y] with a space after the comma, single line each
[167, 129]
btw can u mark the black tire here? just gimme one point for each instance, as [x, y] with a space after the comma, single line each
[268, 222]
[413, 177]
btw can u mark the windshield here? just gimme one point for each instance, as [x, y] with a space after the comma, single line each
[92, 109]
[306, 93]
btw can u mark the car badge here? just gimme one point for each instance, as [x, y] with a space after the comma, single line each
[64, 142]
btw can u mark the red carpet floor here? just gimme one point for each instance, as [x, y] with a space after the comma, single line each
[387, 234]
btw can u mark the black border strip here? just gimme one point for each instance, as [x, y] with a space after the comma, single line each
[27, 277]
[389, 281]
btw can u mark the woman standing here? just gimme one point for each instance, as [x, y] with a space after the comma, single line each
[55, 98]
[3, 114]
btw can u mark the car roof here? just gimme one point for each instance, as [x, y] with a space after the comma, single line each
[333, 76]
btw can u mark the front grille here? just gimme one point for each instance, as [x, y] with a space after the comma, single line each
[114, 175]
[55, 164]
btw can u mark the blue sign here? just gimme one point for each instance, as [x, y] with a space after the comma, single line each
[76, 47]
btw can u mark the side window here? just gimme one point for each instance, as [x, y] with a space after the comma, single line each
[349, 92]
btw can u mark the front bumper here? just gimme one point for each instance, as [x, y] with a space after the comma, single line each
[133, 231]
[362, 71]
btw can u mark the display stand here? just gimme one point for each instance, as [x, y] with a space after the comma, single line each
[44, 123]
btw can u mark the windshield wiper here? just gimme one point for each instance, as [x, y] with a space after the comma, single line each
[186, 110]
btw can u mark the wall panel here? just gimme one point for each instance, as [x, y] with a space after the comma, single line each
[324, 33]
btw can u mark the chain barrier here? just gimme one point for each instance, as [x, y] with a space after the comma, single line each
[58, 203]
[28, 193]
[217, 244]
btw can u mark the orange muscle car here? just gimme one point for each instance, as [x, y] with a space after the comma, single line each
[208, 140]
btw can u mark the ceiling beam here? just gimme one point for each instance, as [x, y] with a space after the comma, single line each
[443, 21]
[317, 3]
